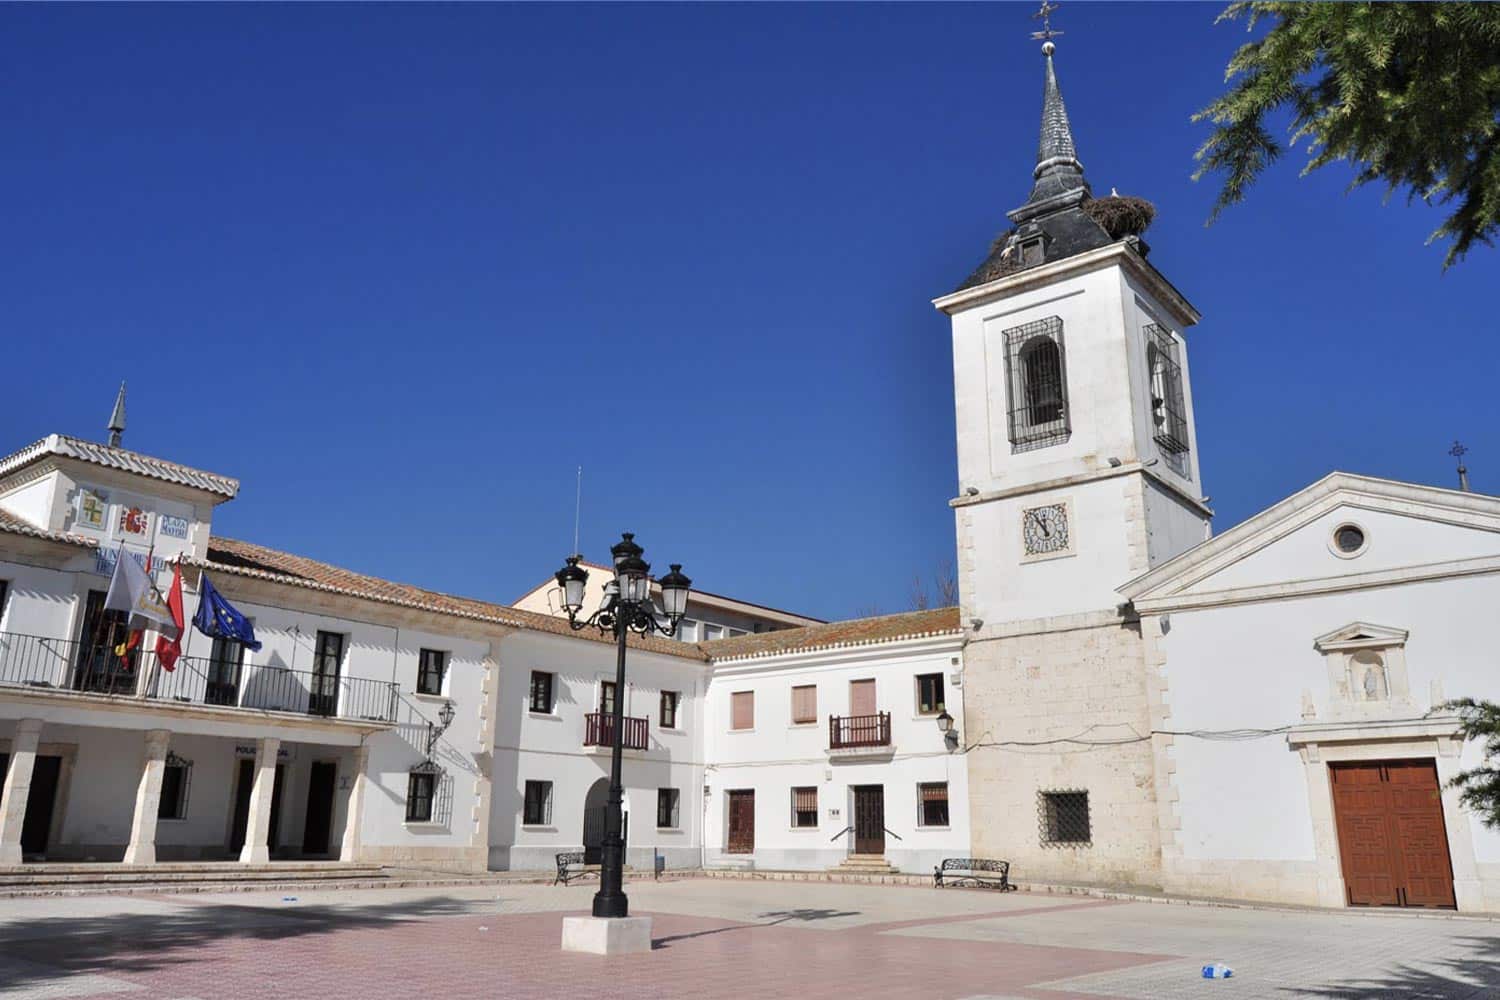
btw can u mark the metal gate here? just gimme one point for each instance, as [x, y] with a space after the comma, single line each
[593, 833]
[741, 839]
[1393, 843]
[869, 819]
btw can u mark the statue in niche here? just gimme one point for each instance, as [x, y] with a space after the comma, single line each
[1369, 676]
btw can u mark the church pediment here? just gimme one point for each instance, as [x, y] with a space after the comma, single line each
[1360, 635]
[1343, 531]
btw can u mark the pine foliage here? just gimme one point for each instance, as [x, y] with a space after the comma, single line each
[1407, 93]
[1480, 786]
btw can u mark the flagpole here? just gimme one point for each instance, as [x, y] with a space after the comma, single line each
[153, 666]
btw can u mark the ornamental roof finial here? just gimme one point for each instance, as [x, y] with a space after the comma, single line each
[116, 425]
[1058, 172]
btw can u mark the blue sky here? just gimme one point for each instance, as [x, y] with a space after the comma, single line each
[402, 269]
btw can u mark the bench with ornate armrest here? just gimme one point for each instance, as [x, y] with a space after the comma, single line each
[973, 871]
[570, 866]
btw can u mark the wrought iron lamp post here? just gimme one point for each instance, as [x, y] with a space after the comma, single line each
[627, 608]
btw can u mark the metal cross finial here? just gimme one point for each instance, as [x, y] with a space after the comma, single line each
[1045, 16]
[1458, 451]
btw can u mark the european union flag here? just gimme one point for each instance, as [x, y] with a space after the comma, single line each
[218, 619]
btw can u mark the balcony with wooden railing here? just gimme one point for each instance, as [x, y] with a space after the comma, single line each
[848, 734]
[599, 731]
[70, 667]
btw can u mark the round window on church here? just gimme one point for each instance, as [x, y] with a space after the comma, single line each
[1348, 540]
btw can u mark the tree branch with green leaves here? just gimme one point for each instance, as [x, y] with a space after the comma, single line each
[1408, 94]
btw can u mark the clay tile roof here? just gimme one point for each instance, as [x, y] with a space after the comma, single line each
[119, 458]
[229, 555]
[16, 526]
[858, 632]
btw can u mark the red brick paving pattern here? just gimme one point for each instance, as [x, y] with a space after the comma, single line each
[517, 956]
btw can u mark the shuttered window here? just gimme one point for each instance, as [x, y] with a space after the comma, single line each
[805, 807]
[862, 697]
[932, 804]
[742, 710]
[669, 709]
[805, 703]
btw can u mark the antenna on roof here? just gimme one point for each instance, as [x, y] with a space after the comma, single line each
[1458, 451]
[577, 509]
[116, 425]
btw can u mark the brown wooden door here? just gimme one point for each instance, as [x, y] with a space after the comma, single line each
[1392, 840]
[862, 697]
[741, 822]
[869, 819]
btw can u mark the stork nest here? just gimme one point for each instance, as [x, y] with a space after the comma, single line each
[1121, 215]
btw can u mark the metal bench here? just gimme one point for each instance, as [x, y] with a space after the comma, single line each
[570, 866]
[973, 871]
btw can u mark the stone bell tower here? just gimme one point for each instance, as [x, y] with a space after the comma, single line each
[1078, 471]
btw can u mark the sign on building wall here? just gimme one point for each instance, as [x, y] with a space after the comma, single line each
[134, 522]
[172, 527]
[93, 508]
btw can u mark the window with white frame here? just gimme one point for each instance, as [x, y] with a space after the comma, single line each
[667, 802]
[932, 803]
[804, 703]
[421, 792]
[805, 807]
[432, 664]
[742, 710]
[930, 694]
[536, 808]
[541, 692]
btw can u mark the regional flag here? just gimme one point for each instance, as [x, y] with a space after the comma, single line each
[131, 591]
[218, 619]
[169, 646]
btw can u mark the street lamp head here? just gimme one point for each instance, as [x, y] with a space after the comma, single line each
[945, 721]
[634, 576]
[625, 548]
[675, 588]
[572, 578]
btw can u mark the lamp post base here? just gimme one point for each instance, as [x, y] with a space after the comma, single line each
[607, 935]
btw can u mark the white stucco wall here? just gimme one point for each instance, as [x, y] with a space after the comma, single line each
[778, 755]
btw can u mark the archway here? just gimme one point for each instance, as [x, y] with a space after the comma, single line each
[595, 803]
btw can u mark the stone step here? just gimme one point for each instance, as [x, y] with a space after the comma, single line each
[43, 876]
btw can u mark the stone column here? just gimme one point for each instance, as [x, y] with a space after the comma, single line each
[17, 788]
[349, 850]
[142, 847]
[258, 825]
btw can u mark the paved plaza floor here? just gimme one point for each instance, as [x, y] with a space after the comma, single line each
[723, 938]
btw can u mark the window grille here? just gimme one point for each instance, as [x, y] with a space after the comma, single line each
[1036, 370]
[1064, 817]
[805, 703]
[541, 692]
[536, 809]
[932, 799]
[1168, 408]
[667, 800]
[431, 665]
[805, 807]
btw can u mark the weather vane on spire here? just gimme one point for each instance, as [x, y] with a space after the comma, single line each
[1046, 34]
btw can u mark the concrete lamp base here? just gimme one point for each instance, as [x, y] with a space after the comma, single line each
[607, 935]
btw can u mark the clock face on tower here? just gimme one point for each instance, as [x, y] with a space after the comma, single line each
[1044, 530]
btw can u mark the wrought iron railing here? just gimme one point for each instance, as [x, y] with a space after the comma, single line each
[846, 731]
[68, 665]
[599, 731]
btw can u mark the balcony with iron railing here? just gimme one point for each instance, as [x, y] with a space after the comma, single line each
[68, 667]
[599, 731]
[851, 735]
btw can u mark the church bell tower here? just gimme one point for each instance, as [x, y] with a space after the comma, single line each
[1077, 457]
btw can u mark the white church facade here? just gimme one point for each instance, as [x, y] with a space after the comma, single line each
[1121, 696]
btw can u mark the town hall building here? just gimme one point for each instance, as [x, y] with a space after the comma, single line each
[1121, 697]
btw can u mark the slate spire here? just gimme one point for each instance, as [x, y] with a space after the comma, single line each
[117, 419]
[1057, 180]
